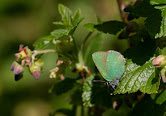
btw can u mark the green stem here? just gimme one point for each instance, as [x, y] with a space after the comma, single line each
[36, 52]
[86, 38]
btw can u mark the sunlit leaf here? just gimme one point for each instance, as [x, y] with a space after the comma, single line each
[140, 74]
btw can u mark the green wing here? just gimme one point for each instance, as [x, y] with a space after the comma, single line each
[115, 65]
[100, 59]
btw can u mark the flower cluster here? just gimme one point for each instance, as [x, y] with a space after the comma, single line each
[24, 58]
[160, 61]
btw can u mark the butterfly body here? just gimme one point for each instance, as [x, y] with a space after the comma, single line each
[111, 65]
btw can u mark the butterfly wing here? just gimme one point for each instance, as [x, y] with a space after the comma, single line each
[115, 65]
[100, 59]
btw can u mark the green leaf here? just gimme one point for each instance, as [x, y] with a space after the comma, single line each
[66, 15]
[143, 9]
[157, 2]
[87, 91]
[59, 33]
[42, 42]
[153, 24]
[162, 98]
[162, 19]
[111, 27]
[63, 86]
[76, 19]
[140, 74]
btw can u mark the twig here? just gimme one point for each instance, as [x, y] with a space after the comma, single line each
[121, 6]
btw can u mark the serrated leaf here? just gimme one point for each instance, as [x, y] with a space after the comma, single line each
[111, 27]
[66, 14]
[42, 42]
[63, 86]
[162, 98]
[143, 9]
[157, 2]
[153, 24]
[162, 31]
[59, 33]
[140, 74]
[87, 91]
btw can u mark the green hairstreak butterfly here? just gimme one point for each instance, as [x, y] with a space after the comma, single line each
[111, 65]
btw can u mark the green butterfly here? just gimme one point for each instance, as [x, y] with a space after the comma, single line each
[111, 65]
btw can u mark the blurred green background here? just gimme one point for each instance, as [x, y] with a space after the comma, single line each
[25, 21]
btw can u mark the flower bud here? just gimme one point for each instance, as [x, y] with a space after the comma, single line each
[35, 68]
[159, 61]
[18, 69]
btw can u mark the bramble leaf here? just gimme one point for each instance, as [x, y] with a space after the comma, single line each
[87, 91]
[155, 22]
[111, 27]
[140, 74]
[42, 42]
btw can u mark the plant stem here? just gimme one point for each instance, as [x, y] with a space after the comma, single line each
[86, 38]
[123, 15]
[36, 52]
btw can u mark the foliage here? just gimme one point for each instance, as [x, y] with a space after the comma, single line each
[145, 31]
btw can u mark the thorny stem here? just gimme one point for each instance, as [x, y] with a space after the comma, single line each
[36, 52]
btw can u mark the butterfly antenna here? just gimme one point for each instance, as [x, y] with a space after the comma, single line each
[98, 81]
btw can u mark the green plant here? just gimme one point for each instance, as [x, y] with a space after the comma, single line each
[145, 30]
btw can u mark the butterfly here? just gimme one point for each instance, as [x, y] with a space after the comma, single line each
[111, 65]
